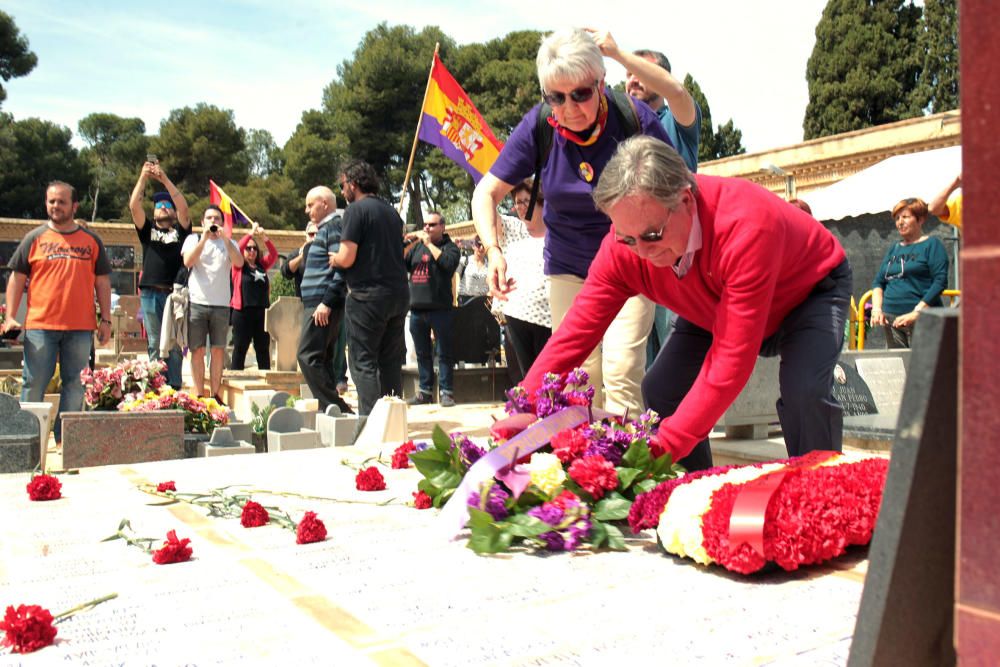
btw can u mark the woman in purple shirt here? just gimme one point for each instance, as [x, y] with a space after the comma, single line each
[586, 128]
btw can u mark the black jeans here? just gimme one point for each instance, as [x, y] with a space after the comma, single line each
[376, 347]
[527, 339]
[248, 325]
[315, 357]
[809, 341]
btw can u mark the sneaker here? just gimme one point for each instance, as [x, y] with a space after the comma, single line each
[420, 399]
[447, 400]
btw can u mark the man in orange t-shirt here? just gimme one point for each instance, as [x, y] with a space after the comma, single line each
[67, 265]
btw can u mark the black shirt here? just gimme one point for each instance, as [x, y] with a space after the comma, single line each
[255, 286]
[295, 276]
[430, 279]
[161, 254]
[378, 271]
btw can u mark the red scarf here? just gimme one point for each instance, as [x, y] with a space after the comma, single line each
[570, 135]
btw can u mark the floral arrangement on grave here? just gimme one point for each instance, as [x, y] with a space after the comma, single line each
[559, 484]
[107, 388]
[201, 415]
[799, 511]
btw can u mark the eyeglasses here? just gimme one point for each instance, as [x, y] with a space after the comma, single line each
[578, 95]
[311, 235]
[432, 224]
[521, 202]
[251, 247]
[162, 204]
[646, 237]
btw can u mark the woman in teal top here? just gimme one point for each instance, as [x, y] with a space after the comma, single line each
[912, 276]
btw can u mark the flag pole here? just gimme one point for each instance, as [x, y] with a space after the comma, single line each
[416, 135]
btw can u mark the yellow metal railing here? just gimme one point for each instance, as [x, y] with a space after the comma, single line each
[858, 315]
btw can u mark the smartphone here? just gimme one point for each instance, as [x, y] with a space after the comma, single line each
[151, 157]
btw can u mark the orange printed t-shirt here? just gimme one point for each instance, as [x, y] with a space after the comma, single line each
[62, 268]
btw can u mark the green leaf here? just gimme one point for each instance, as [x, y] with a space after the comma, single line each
[616, 540]
[626, 476]
[479, 519]
[644, 486]
[523, 525]
[612, 508]
[440, 439]
[598, 534]
[637, 455]
[446, 479]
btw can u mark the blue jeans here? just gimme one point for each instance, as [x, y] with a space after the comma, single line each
[422, 322]
[153, 303]
[42, 349]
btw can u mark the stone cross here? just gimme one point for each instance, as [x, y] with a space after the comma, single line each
[283, 320]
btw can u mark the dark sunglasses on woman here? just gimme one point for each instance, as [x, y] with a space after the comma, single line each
[578, 95]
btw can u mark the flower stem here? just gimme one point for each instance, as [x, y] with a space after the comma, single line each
[84, 607]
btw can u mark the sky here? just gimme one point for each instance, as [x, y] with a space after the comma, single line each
[269, 61]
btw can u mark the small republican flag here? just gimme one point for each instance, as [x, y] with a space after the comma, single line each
[230, 211]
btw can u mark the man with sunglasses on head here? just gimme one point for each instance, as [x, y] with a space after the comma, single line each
[747, 273]
[161, 256]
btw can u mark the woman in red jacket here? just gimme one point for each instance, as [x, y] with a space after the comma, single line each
[251, 297]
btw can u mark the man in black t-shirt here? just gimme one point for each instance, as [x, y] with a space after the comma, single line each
[370, 258]
[161, 257]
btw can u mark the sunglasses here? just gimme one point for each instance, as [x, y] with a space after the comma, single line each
[578, 95]
[645, 237]
[311, 234]
[432, 224]
[251, 247]
[162, 204]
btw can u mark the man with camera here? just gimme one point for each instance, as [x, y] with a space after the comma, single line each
[161, 256]
[210, 258]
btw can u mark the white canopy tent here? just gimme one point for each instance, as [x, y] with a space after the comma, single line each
[881, 185]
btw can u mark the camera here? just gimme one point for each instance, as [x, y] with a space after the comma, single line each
[214, 229]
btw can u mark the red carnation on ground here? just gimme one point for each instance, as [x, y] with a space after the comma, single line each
[401, 457]
[421, 500]
[369, 479]
[569, 444]
[163, 487]
[28, 628]
[254, 515]
[44, 487]
[310, 529]
[173, 550]
[595, 475]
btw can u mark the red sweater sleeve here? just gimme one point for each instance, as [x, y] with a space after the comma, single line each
[603, 294]
[272, 256]
[747, 266]
[236, 273]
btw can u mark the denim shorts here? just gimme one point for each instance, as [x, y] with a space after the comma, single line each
[207, 322]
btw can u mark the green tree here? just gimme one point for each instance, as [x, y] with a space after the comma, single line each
[272, 202]
[314, 152]
[937, 89]
[32, 153]
[263, 155]
[201, 143]
[722, 142]
[16, 59]
[864, 67]
[116, 149]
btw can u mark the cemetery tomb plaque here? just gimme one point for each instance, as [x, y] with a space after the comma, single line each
[852, 391]
[885, 377]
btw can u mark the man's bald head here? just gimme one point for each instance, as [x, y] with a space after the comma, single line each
[320, 202]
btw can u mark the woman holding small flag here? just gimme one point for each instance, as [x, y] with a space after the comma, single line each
[567, 141]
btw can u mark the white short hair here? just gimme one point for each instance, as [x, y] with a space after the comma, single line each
[569, 54]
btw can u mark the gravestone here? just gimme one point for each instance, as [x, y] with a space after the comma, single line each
[19, 437]
[283, 320]
[106, 438]
[754, 409]
[336, 429]
[222, 443]
[280, 399]
[906, 613]
[477, 336]
[850, 389]
[44, 412]
[285, 432]
[884, 377]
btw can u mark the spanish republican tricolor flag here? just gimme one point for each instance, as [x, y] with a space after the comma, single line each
[451, 122]
[230, 211]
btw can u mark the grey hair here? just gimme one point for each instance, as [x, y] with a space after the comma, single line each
[643, 165]
[570, 54]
